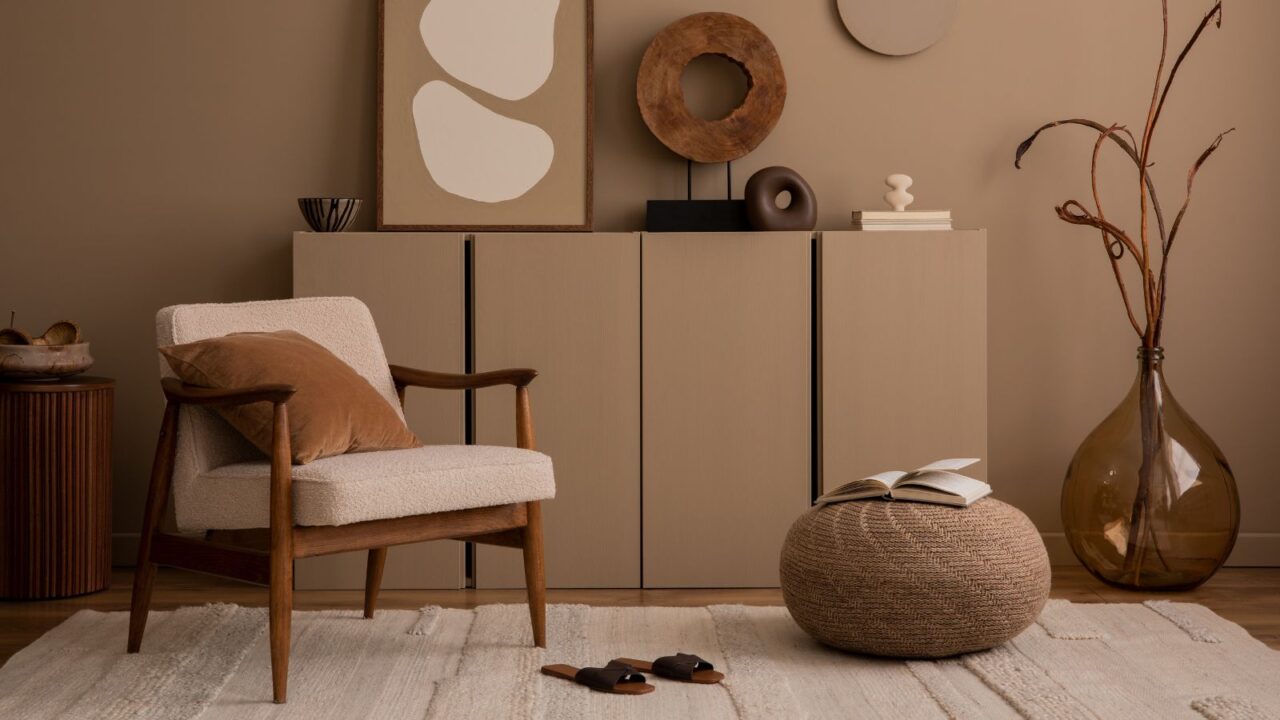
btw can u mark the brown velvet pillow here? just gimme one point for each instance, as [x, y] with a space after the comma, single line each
[334, 410]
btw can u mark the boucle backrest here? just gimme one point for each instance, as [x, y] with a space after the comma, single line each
[342, 325]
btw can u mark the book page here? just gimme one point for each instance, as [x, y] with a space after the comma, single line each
[948, 464]
[866, 491]
[948, 482]
[873, 486]
[929, 495]
[886, 478]
[882, 482]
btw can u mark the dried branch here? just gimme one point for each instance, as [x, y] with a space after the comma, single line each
[1159, 292]
[1191, 178]
[1153, 113]
[1108, 243]
[1177, 223]
[1215, 13]
[1128, 148]
[1082, 216]
[1124, 295]
[1148, 287]
[1115, 241]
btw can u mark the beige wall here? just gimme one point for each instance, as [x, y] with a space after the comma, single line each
[152, 151]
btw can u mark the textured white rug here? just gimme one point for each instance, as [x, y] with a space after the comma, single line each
[1156, 660]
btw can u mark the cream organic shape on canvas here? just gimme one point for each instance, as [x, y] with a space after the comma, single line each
[476, 153]
[503, 47]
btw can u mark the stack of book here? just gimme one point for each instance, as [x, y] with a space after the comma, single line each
[901, 219]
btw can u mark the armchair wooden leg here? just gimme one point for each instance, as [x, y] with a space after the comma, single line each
[534, 574]
[373, 579]
[280, 612]
[140, 605]
[157, 498]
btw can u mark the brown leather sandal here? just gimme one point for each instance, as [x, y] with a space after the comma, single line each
[617, 677]
[681, 666]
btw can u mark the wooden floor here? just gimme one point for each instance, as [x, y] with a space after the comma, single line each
[1248, 596]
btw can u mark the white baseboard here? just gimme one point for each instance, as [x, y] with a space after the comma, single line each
[1252, 550]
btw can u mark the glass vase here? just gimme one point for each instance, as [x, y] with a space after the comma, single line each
[1149, 502]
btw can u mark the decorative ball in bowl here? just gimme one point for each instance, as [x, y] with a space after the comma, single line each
[44, 362]
[325, 214]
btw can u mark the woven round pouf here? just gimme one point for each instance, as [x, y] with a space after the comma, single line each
[907, 579]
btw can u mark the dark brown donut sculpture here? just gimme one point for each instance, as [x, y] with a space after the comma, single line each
[762, 193]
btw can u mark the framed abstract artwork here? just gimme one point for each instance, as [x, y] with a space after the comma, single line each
[484, 115]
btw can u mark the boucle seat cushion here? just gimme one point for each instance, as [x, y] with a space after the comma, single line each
[906, 579]
[346, 489]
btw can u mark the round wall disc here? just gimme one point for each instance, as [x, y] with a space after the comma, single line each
[897, 27]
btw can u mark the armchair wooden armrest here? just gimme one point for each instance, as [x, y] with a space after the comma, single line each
[409, 377]
[179, 392]
[519, 377]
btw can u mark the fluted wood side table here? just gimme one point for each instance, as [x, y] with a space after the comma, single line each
[55, 487]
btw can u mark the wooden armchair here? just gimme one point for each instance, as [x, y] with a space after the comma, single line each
[259, 544]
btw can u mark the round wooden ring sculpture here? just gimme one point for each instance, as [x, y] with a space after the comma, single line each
[762, 193]
[661, 98]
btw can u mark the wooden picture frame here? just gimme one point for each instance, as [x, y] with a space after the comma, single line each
[413, 197]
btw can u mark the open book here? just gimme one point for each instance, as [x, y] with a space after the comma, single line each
[934, 483]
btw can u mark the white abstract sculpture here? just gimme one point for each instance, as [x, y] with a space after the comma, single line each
[898, 198]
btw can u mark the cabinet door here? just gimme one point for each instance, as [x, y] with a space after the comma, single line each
[727, 333]
[413, 285]
[567, 305]
[904, 350]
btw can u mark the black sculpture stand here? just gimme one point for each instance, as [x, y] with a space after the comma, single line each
[691, 215]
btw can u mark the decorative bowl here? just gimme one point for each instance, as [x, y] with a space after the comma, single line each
[329, 214]
[44, 362]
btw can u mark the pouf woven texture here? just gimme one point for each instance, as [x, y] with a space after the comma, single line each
[907, 579]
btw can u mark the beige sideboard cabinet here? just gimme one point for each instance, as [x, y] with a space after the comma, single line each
[726, 396]
[696, 391]
[567, 305]
[902, 351]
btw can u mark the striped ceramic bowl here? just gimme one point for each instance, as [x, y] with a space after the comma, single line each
[329, 214]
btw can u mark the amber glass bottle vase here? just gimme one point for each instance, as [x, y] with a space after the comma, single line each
[1149, 502]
